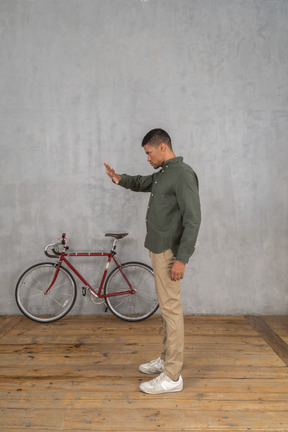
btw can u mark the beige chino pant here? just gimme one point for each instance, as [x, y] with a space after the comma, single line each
[168, 293]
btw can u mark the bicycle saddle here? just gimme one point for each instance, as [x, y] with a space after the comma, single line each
[116, 236]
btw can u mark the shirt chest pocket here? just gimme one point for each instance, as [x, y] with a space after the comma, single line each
[165, 193]
[163, 188]
[165, 207]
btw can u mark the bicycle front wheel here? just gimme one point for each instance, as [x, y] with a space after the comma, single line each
[132, 307]
[32, 297]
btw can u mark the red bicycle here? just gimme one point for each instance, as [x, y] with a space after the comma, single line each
[47, 291]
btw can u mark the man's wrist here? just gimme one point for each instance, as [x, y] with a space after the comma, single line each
[116, 179]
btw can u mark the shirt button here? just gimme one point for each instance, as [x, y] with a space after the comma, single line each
[152, 194]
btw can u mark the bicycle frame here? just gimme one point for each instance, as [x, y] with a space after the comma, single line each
[110, 255]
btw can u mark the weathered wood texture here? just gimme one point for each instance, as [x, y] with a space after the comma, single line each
[270, 336]
[81, 374]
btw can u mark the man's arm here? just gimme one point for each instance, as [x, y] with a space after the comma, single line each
[135, 183]
[189, 204]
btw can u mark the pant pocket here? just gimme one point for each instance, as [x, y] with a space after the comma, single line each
[168, 255]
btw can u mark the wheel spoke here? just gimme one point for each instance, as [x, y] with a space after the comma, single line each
[139, 305]
[34, 300]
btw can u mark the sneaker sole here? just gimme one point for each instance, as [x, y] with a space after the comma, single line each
[150, 373]
[161, 392]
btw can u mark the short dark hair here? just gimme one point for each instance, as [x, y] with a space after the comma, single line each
[155, 137]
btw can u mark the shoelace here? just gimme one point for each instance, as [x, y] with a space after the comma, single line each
[157, 379]
[159, 362]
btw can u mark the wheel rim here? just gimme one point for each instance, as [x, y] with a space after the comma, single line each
[33, 300]
[132, 306]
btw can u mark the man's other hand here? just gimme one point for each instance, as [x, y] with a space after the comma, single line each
[177, 271]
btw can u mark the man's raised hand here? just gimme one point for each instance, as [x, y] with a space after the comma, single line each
[111, 173]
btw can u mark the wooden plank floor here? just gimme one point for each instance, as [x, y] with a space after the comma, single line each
[81, 374]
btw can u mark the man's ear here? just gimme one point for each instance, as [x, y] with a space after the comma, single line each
[163, 146]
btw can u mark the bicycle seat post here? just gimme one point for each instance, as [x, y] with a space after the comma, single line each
[114, 246]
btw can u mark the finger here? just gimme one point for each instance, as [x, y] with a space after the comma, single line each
[107, 166]
[110, 171]
[174, 277]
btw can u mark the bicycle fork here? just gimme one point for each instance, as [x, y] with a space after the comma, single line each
[55, 276]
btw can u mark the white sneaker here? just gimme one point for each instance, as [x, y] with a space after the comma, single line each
[153, 367]
[162, 384]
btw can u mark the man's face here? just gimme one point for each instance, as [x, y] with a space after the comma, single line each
[155, 155]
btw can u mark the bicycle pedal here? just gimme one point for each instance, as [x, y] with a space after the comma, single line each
[84, 291]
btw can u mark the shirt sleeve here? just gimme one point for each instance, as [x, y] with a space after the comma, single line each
[187, 195]
[137, 183]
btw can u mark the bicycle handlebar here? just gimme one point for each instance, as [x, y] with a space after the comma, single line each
[55, 248]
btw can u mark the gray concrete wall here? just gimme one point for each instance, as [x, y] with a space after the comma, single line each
[82, 81]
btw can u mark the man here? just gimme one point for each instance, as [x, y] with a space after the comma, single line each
[173, 221]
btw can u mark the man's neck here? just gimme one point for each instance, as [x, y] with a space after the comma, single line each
[169, 156]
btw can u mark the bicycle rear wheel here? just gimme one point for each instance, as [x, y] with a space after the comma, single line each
[32, 300]
[132, 307]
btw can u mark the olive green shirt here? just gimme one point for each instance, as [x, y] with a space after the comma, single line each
[173, 215]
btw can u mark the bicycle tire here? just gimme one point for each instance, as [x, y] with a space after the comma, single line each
[132, 307]
[32, 300]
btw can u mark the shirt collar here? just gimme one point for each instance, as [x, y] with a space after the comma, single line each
[174, 161]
